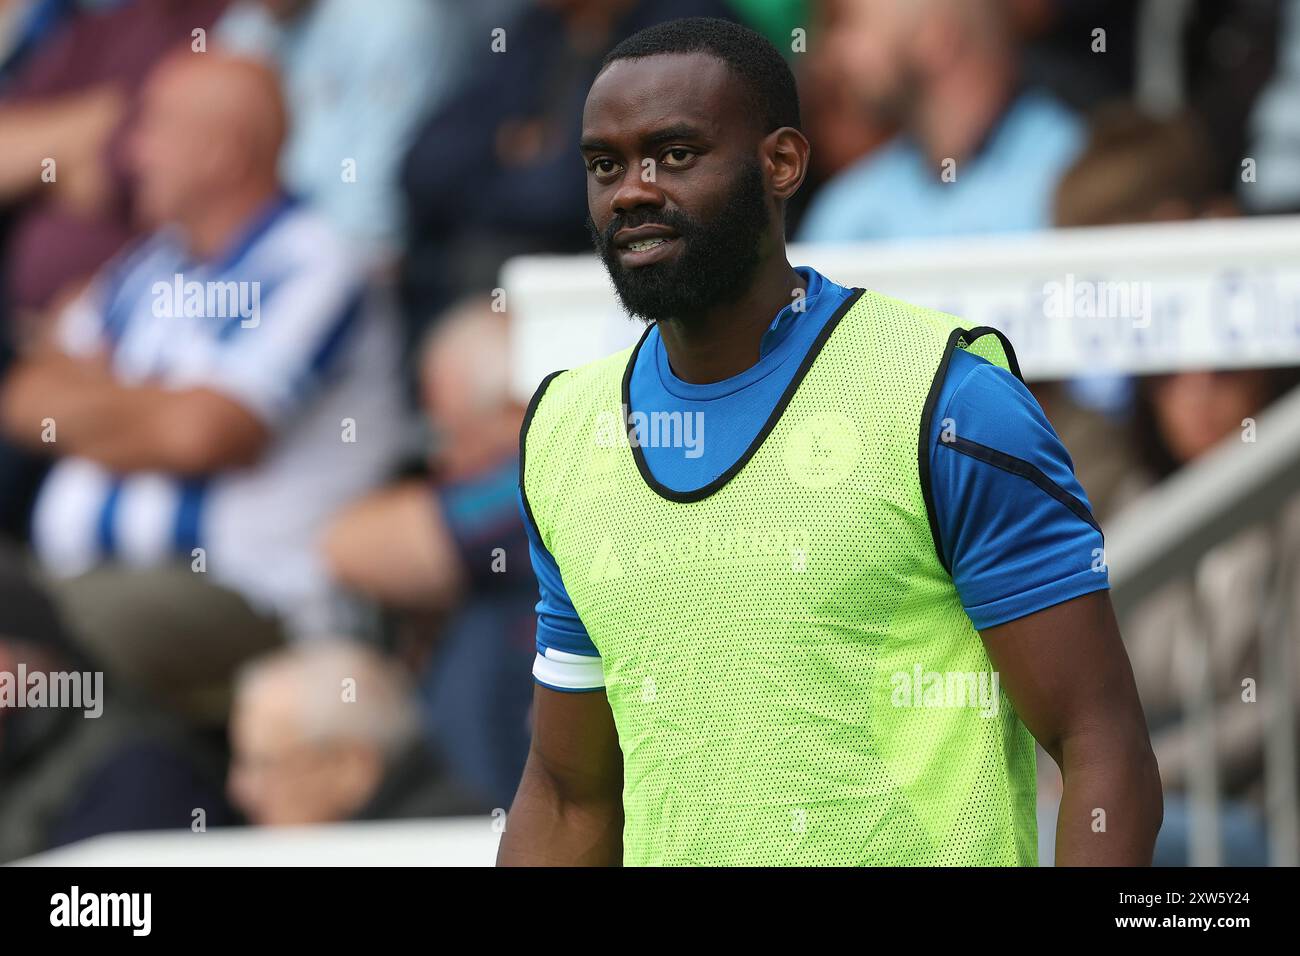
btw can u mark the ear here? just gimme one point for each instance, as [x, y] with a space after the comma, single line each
[785, 153]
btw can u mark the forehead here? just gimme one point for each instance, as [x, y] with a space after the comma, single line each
[638, 96]
[173, 82]
[268, 706]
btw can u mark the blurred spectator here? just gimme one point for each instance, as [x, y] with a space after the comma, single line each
[214, 395]
[978, 153]
[24, 26]
[1221, 610]
[1230, 53]
[327, 732]
[1134, 169]
[68, 104]
[1140, 169]
[496, 172]
[1275, 130]
[833, 119]
[459, 546]
[65, 775]
[62, 207]
[357, 78]
[1064, 51]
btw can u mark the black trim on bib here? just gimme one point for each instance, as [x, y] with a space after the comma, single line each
[523, 445]
[1018, 466]
[927, 416]
[699, 494]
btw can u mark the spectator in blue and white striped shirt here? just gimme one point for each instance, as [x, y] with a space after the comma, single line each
[212, 398]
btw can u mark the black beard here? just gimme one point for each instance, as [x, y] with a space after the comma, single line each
[716, 264]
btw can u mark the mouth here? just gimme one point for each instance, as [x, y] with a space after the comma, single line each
[645, 245]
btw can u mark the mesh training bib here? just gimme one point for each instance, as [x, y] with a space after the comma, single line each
[791, 672]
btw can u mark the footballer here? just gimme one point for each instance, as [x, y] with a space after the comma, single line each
[830, 629]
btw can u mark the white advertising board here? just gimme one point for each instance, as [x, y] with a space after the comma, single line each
[1134, 299]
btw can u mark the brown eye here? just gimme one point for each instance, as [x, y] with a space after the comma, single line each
[602, 167]
[678, 156]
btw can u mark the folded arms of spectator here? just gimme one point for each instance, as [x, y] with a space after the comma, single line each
[58, 403]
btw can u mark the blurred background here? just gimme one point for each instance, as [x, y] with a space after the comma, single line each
[260, 376]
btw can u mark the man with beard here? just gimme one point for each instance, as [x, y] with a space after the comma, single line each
[980, 146]
[828, 629]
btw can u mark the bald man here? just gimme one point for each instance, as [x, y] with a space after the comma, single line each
[329, 731]
[456, 547]
[978, 152]
[219, 390]
[207, 144]
[397, 545]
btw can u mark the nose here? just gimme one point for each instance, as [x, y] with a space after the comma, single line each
[636, 189]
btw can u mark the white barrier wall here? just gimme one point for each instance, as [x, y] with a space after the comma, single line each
[461, 841]
[1220, 293]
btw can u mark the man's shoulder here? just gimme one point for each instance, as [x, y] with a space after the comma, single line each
[1043, 106]
[567, 385]
[890, 158]
[1055, 130]
[574, 396]
[979, 385]
[883, 309]
[907, 335]
[301, 237]
[156, 251]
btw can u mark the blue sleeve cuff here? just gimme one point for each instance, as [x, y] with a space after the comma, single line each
[1037, 599]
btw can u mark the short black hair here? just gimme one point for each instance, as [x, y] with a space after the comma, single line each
[768, 82]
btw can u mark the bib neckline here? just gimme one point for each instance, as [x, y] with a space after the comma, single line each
[705, 491]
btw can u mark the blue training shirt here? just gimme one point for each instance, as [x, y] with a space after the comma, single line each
[1015, 525]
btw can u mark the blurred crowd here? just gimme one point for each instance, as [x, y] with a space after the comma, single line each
[286, 528]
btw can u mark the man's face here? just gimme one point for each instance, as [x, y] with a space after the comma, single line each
[866, 48]
[172, 150]
[280, 778]
[679, 208]
[1197, 410]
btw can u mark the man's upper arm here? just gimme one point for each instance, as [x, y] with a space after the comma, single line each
[575, 743]
[1026, 556]
[1066, 671]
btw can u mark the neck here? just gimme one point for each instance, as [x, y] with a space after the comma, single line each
[210, 230]
[962, 106]
[724, 341]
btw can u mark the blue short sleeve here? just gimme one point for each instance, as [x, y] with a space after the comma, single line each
[1014, 523]
[567, 660]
